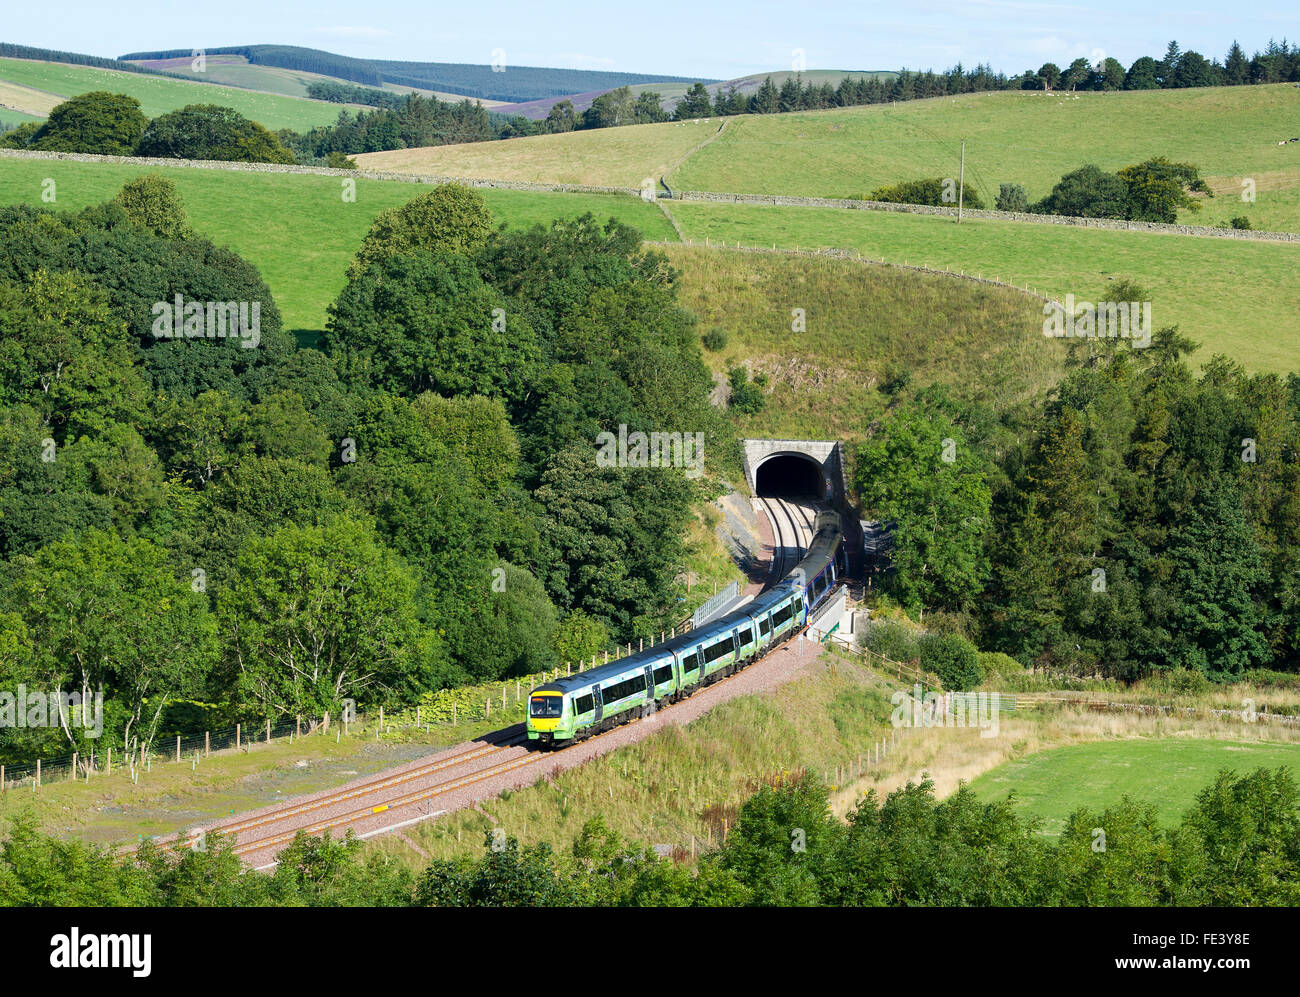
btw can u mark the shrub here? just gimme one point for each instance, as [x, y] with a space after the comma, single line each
[954, 659]
[1241, 222]
[450, 217]
[893, 640]
[19, 137]
[210, 131]
[939, 192]
[102, 123]
[1088, 192]
[1157, 188]
[1012, 197]
[1181, 681]
[746, 395]
[715, 339]
[998, 667]
[897, 378]
[153, 203]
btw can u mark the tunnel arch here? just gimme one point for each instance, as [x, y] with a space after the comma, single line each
[791, 474]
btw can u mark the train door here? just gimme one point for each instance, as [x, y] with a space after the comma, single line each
[600, 704]
[650, 688]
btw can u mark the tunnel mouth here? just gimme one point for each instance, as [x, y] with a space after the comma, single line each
[790, 476]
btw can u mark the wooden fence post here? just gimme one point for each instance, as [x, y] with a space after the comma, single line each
[38, 772]
[453, 713]
[238, 733]
[109, 770]
[178, 747]
[74, 767]
[268, 730]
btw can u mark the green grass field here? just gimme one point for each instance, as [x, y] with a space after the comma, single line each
[607, 157]
[159, 94]
[1031, 138]
[1235, 297]
[235, 70]
[12, 117]
[296, 228]
[985, 342]
[1165, 772]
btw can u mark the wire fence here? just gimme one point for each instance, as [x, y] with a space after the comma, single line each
[444, 709]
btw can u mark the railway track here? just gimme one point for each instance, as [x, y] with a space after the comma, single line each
[378, 786]
[792, 529]
[260, 835]
[411, 792]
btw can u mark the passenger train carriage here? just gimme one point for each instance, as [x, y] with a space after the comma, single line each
[578, 706]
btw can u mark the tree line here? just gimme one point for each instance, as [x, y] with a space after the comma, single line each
[1150, 191]
[1139, 518]
[113, 124]
[414, 505]
[1237, 845]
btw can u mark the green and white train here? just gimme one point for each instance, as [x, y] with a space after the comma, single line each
[577, 706]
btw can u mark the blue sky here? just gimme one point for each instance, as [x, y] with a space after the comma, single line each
[722, 39]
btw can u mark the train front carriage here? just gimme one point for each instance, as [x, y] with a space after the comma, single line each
[578, 706]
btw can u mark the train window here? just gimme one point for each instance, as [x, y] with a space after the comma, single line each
[719, 649]
[664, 674]
[621, 690]
[691, 663]
[745, 636]
[546, 706]
[782, 614]
[765, 625]
[798, 604]
[585, 704]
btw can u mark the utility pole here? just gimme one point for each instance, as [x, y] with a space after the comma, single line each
[961, 184]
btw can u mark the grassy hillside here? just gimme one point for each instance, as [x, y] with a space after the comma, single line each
[12, 117]
[32, 103]
[236, 70]
[861, 319]
[1235, 297]
[607, 157]
[296, 228]
[1163, 771]
[159, 94]
[1029, 137]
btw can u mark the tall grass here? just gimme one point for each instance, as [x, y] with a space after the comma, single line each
[861, 322]
[1234, 297]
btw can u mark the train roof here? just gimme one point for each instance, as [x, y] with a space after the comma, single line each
[819, 554]
[822, 549]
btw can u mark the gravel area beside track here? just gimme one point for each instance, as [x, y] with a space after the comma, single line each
[463, 783]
